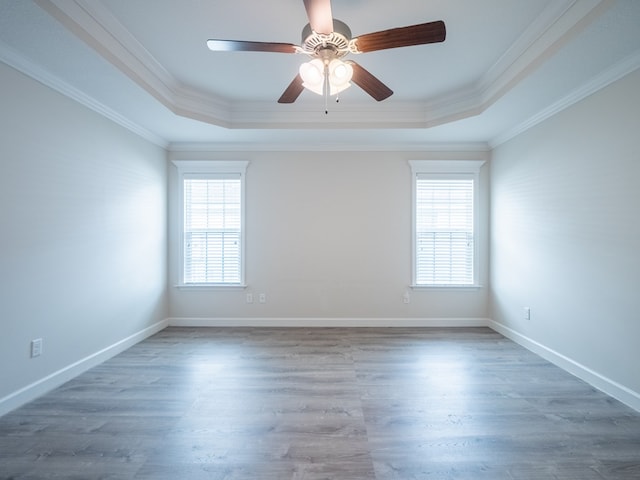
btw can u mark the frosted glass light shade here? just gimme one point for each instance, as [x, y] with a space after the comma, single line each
[312, 74]
[338, 72]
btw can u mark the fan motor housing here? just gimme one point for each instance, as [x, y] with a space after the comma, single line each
[337, 41]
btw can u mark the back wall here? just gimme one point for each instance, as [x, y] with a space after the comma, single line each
[328, 236]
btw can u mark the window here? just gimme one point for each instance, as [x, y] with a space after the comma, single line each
[444, 222]
[212, 220]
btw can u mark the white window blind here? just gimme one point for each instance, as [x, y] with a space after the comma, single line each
[213, 229]
[444, 229]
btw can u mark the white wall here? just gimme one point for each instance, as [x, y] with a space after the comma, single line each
[328, 237]
[83, 233]
[565, 236]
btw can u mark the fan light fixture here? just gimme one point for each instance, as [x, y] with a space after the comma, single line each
[326, 77]
[327, 40]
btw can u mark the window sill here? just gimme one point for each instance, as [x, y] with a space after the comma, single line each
[446, 287]
[210, 286]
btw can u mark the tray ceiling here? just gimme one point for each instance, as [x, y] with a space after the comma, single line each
[504, 65]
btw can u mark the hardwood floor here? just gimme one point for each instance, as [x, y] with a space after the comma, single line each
[365, 403]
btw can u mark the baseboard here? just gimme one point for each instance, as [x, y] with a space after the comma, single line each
[328, 322]
[602, 383]
[44, 385]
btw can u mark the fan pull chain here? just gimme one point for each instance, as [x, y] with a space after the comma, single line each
[326, 89]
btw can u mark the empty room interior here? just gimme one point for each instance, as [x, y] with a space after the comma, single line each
[320, 239]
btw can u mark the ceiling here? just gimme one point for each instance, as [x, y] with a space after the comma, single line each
[504, 66]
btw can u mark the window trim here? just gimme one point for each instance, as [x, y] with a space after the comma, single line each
[189, 169]
[446, 169]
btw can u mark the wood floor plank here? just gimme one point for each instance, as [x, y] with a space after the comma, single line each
[323, 403]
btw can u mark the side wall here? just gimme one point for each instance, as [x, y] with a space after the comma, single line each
[83, 237]
[328, 240]
[565, 238]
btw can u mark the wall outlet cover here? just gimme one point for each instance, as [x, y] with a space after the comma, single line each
[36, 347]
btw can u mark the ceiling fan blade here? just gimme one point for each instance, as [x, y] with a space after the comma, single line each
[320, 16]
[293, 91]
[244, 46]
[369, 83]
[432, 32]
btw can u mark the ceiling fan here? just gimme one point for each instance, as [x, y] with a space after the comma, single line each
[327, 40]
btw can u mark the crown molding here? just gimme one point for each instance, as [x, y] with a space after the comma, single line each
[556, 26]
[97, 27]
[192, 147]
[561, 21]
[13, 59]
[602, 80]
[475, 98]
[18, 62]
[507, 65]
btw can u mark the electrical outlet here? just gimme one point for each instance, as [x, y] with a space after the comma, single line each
[406, 298]
[262, 298]
[36, 347]
[526, 311]
[249, 297]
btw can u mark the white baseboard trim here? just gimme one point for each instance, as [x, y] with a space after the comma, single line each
[328, 322]
[42, 386]
[602, 383]
[48, 383]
